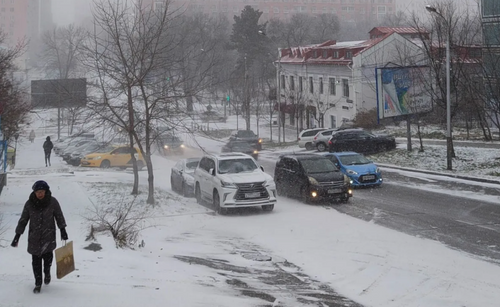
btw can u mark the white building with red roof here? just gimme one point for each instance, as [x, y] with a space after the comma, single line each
[327, 84]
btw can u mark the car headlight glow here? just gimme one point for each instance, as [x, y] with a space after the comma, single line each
[96, 158]
[351, 172]
[182, 146]
[255, 152]
[313, 181]
[260, 140]
[228, 185]
[166, 146]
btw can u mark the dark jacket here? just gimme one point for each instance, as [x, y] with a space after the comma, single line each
[42, 230]
[47, 145]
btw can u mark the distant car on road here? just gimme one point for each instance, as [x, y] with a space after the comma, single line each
[241, 146]
[170, 144]
[360, 141]
[181, 176]
[358, 168]
[248, 136]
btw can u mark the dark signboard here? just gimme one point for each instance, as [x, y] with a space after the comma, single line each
[59, 93]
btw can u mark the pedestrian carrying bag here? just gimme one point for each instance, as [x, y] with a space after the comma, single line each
[65, 262]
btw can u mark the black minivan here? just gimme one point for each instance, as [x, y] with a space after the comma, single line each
[310, 177]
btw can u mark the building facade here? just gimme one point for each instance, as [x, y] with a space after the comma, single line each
[326, 85]
[346, 10]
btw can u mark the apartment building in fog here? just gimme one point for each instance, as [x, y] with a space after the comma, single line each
[347, 10]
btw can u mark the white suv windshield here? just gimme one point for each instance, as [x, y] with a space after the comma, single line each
[233, 166]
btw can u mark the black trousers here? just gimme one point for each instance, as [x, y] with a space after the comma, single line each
[37, 266]
[47, 158]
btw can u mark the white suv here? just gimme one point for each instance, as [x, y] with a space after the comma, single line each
[306, 138]
[233, 180]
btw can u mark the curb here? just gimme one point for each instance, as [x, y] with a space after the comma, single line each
[476, 179]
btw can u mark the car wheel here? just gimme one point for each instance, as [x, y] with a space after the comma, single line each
[268, 208]
[321, 146]
[279, 190]
[309, 146]
[172, 185]
[197, 194]
[304, 194]
[105, 164]
[183, 190]
[345, 199]
[216, 204]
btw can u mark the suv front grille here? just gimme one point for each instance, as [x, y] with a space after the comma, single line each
[251, 191]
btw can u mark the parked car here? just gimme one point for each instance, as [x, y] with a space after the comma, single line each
[360, 141]
[310, 177]
[357, 167]
[181, 176]
[320, 140]
[170, 144]
[241, 146]
[233, 180]
[248, 136]
[76, 157]
[306, 137]
[66, 153]
[119, 156]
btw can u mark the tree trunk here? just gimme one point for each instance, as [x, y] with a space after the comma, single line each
[130, 105]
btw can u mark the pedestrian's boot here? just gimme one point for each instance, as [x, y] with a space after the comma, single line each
[38, 285]
[46, 280]
[37, 289]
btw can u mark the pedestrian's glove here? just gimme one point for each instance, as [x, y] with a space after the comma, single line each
[64, 234]
[16, 240]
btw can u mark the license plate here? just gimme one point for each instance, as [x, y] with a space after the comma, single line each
[369, 177]
[334, 191]
[252, 195]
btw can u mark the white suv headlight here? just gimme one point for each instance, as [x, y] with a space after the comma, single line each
[313, 181]
[225, 184]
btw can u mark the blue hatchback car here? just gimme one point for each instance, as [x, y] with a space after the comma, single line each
[362, 171]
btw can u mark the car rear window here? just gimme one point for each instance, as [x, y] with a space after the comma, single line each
[309, 133]
[246, 133]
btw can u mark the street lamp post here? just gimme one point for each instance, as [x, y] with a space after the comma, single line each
[432, 9]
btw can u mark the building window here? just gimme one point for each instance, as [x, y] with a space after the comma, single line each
[283, 82]
[311, 85]
[321, 85]
[490, 8]
[12, 9]
[348, 54]
[333, 87]
[333, 121]
[325, 54]
[345, 87]
[301, 86]
[292, 83]
[336, 54]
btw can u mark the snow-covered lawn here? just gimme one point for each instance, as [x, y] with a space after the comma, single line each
[191, 257]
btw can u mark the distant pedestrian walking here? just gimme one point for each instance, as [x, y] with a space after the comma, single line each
[47, 148]
[42, 211]
[32, 136]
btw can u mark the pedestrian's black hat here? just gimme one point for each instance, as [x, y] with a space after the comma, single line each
[40, 185]
[48, 138]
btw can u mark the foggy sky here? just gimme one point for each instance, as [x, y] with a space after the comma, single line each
[66, 12]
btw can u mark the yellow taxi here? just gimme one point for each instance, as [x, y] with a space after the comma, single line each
[115, 156]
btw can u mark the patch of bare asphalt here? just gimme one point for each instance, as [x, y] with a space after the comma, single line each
[277, 283]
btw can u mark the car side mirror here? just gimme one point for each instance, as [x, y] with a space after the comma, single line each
[262, 168]
[211, 171]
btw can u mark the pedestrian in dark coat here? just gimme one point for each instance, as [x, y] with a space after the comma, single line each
[42, 211]
[47, 148]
